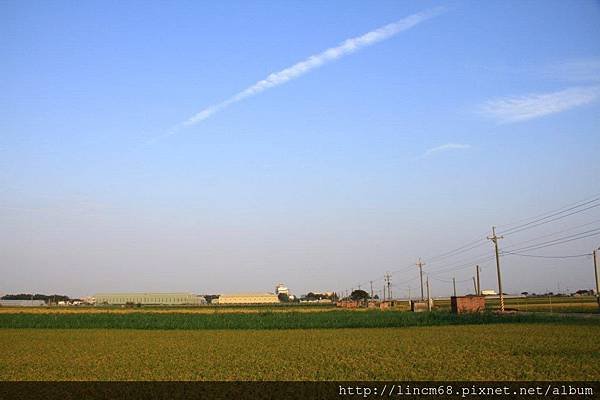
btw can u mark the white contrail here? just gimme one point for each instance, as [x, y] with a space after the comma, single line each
[347, 47]
[446, 147]
[535, 105]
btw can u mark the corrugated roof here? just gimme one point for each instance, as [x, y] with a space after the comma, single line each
[247, 294]
[146, 294]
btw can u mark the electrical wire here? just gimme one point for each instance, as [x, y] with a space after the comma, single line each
[568, 207]
[551, 234]
[540, 256]
[525, 227]
[565, 239]
[536, 221]
[469, 246]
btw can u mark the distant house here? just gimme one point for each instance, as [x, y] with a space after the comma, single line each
[489, 292]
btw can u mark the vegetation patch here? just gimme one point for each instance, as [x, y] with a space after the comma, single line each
[273, 320]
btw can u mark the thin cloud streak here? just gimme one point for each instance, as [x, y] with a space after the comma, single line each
[347, 47]
[522, 108]
[444, 148]
[581, 70]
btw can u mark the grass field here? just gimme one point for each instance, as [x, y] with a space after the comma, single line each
[477, 352]
[168, 310]
[272, 320]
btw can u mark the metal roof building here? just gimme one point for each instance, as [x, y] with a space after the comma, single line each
[247, 298]
[22, 303]
[165, 299]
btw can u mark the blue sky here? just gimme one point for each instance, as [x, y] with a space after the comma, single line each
[483, 114]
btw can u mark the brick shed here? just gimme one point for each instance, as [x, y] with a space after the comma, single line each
[348, 304]
[387, 304]
[419, 305]
[373, 304]
[466, 304]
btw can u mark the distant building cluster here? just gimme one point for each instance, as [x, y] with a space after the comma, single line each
[189, 299]
[281, 295]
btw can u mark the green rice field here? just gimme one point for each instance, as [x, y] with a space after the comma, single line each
[272, 320]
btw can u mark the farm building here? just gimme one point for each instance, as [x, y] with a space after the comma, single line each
[165, 299]
[22, 303]
[247, 298]
[465, 304]
[348, 304]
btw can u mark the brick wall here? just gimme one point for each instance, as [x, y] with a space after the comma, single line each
[466, 304]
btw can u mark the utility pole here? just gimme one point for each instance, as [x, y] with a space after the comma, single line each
[420, 265]
[428, 296]
[454, 285]
[388, 282]
[474, 285]
[597, 276]
[371, 282]
[478, 289]
[494, 238]
[384, 292]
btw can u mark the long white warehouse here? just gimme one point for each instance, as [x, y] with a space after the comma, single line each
[164, 299]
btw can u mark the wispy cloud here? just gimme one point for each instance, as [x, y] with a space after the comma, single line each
[579, 70]
[444, 148]
[521, 108]
[347, 47]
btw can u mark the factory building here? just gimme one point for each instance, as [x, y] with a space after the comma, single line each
[22, 303]
[247, 298]
[163, 299]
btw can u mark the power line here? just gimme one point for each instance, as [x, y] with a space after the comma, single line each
[540, 256]
[457, 267]
[449, 281]
[565, 239]
[530, 226]
[552, 234]
[469, 246]
[558, 210]
[538, 220]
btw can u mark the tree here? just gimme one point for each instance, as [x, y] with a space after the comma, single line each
[359, 295]
[210, 297]
[283, 297]
[524, 293]
[29, 296]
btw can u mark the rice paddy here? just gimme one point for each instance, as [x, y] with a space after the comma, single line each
[510, 351]
[335, 319]
[294, 343]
